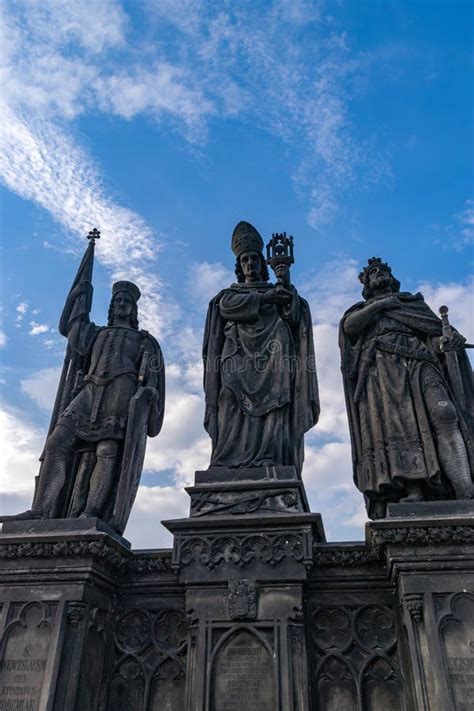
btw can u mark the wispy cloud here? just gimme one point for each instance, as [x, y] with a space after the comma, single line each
[458, 232]
[255, 62]
[281, 66]
[40, 159]
[40, 162]
[466, 219]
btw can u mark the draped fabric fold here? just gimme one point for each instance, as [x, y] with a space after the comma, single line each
[259, 378]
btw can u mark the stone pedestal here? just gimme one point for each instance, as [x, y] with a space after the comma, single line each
[251, 610]
[58, 593]
[429, 553]
[244, 556]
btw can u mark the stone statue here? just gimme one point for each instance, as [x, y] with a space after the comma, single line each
[110, 397]
[259, 368]
[409, 396]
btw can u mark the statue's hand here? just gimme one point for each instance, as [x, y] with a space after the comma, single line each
[281, 272]
[454, 343]
[82, 288]
[280, 297]
[391, 302]
[151, 393]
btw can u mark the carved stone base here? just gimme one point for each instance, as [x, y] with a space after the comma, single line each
[430, 560]
[244, 556]
[62, 525]
[255, 490]
[211, 548]
[249, 611]
[68, 626]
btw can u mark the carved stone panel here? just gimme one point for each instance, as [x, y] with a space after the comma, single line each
[150, 661]
[354, 659]
[204, 503]
[25, 655]
[168, 688]
[95, 644]
[381, 686]
[336, 686]
[243, 677]
[456, 625]
[127, 689]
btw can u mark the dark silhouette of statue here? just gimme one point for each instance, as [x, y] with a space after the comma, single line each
[110, 397]
[409, 396]
[259, 367]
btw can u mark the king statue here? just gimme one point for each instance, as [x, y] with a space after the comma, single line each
[409, 396]
[110, 397]
[259, 367]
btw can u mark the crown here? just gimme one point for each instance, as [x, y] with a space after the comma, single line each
[244, 238]
[373, 262]
[127, 286]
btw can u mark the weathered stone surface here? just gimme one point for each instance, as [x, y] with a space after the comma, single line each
[243, 674]
[259, 368]
[409, 396]
[110, 398]
[62, 525]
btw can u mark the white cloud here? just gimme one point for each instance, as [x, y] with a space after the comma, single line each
[327, 475]
[21, 310]
[333, 419]
[206, 279]
[466, 221]
[37, 328]
[165, 89]
[41, 387]
[182, 445]
[458, 298]
[41, 163]
[95, 26]
[3, 339]
[249, 61]
[21, 447]
[332, 289]
[459, 232]
[153, 505]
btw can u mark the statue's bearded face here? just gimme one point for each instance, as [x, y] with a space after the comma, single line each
[379, 279]
[251, 265]
[123, 305]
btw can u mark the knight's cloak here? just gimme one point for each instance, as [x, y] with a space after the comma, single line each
[386, 371]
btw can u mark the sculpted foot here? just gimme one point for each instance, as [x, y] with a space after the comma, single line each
[414, 494]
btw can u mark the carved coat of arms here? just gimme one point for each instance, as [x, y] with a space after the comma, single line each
[242, 599]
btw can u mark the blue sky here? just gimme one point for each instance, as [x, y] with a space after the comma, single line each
[165, 122]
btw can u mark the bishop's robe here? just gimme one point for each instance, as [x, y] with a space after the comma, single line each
[259, 378]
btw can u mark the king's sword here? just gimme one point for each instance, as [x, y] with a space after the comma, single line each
[451, 356]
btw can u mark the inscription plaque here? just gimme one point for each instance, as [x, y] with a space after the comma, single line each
[23, 665]
[244, 678]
